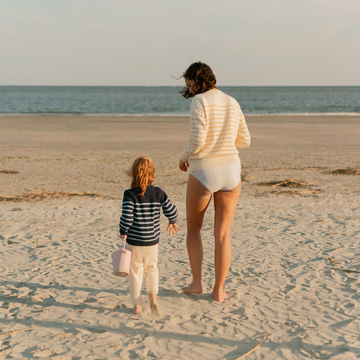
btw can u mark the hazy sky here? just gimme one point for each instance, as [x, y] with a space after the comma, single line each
[144, 42]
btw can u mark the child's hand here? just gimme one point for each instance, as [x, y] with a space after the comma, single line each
[172, 228]
[123, 237]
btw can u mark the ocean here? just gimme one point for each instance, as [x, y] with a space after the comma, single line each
[166, 100]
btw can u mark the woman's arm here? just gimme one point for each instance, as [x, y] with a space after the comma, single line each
[243, 138]
[198, 129]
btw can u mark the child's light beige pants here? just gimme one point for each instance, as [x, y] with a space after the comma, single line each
[143, 259]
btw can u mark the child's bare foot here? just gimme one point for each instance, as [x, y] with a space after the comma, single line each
[137, 309]
[192, 289]
[219, 296]
[154, 305]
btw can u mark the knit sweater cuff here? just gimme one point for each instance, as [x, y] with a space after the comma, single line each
[184, 156]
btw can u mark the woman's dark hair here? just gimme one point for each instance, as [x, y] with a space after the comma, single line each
[203, 76]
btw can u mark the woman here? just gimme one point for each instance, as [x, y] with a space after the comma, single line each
[218, 127]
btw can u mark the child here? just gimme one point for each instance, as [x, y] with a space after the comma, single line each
[140, 227]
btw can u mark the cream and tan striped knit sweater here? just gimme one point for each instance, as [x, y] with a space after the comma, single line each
[217, 129]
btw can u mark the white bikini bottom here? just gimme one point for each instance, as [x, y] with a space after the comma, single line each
[222, 178]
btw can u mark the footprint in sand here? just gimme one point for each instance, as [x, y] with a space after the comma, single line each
[43, 353]
[40, 298]
[88, 300]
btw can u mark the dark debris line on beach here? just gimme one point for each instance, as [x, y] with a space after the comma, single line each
[8, 172]
[49, 195]
[289, 183]
[344, 172]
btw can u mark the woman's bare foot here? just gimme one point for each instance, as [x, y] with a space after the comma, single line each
[192, 289]
[219, 296]
[137, 309]
[154, 305]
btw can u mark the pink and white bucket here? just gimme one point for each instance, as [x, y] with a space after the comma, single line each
[121, 260]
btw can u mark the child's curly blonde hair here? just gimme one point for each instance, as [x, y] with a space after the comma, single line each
[142, 173]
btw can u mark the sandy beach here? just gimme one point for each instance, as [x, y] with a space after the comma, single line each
[293, 285]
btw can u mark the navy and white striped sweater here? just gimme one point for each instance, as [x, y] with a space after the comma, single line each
[140, 218]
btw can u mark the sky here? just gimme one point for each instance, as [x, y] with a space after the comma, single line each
[152, 42]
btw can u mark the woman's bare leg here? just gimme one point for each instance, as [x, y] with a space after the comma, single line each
[225, 205]
[197, 201]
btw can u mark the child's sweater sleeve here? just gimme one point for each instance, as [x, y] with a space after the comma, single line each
[169, 209]
[127, 216]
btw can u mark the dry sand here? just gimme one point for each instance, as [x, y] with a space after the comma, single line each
[295, 254]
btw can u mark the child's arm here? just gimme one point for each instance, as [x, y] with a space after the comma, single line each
[127, 216]
[171, 213]
[169, 210]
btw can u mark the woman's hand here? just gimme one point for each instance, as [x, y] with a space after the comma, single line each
[172, 228]
[123, 237]
[183, 165]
